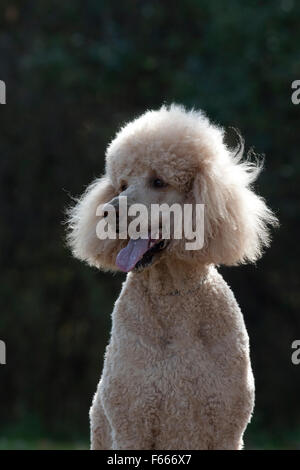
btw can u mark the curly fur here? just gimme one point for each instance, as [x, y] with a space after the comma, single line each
[177, 373]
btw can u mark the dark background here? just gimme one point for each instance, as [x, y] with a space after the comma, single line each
[75, 71]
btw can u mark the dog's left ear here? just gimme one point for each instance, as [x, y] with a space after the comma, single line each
[236, 219]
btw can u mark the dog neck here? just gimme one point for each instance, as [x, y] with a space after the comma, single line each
[174, 277]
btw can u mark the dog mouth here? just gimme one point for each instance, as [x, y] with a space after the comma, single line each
[139, 253]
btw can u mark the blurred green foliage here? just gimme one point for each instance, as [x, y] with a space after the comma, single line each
[75, 71]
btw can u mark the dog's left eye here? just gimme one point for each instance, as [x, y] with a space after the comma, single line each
[158, 183]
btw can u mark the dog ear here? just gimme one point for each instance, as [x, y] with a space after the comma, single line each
[236, 219]
[82, 222]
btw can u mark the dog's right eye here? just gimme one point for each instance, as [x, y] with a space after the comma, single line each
[123, 187]
[158, 183]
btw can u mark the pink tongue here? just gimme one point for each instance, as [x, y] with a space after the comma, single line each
[132, 253]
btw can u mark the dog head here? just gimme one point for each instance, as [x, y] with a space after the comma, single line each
[172, 157]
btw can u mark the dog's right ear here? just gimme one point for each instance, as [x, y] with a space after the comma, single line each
[82, 222]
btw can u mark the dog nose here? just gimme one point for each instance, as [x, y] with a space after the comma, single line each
[115, 209]
[105, 213]
[112, 206]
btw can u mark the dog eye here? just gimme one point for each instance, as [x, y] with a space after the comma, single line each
[123, 187]
[158, 183]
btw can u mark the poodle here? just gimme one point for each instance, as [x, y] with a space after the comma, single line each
[177, 372]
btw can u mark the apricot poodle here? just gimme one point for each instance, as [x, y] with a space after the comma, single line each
[177, 373]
